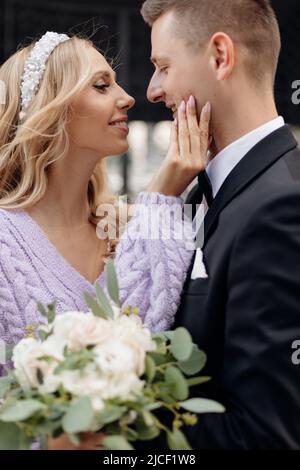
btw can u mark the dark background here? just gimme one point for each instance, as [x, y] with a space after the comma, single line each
[125, 35]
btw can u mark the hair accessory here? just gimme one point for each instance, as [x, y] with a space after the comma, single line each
[35, 66]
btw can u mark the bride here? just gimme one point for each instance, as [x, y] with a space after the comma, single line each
[64, 113]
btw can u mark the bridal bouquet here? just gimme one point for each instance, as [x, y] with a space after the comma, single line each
[100, 371]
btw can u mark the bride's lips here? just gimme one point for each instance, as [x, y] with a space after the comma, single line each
[120, 124]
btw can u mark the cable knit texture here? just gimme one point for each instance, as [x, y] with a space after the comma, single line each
[151, 272]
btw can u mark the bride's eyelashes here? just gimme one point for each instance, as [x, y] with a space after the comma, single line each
[102, 87]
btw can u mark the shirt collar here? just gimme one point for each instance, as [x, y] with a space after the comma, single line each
[224, 162]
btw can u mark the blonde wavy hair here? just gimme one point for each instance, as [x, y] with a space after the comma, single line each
[28, 149]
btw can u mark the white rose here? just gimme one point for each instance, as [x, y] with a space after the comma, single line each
[29, 365]
[89, 331]
[125, 388]
[86, 382]
[65, 322]
[132, 327]
[114, 358]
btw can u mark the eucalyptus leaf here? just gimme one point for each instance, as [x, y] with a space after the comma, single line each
[177, 440]
[9, 349]
[148, 418]
[169, 334]
[153, 406]
[181, 344]
[150, 369]
[147, 433]
[116, 443]
[20, 410]
[51, 312]
[79, 416]
[195, 363]
[177, 383]
[94, 306]
[202, 405]
[103, 301]
[161, 345]
[5, 384]
[131, 434]
[111, 414]
[197, 381]
[159, 359]
[112, 282]
[42, 309]
[12, 437]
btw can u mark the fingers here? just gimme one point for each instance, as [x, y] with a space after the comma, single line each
[183, 132]
[204, 132]
[174, 137]
[91, 441]
[193, 127]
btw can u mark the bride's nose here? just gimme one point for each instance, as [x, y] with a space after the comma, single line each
[126, 101]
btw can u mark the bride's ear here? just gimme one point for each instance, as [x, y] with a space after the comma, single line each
[222, 55]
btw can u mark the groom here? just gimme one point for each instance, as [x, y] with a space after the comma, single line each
[246, 314]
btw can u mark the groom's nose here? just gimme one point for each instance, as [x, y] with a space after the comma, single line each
[155, 93]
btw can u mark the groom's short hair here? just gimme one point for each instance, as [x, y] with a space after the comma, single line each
[251, 22]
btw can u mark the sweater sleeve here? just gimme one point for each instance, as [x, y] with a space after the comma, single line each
[153, 257]
[11, 323]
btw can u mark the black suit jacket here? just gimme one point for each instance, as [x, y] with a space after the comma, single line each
[246, 314]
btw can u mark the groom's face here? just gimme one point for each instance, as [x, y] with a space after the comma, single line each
[180, 70]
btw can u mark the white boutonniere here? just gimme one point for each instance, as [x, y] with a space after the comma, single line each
[199, 270]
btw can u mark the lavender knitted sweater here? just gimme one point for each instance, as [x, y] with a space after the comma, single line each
[151, 272]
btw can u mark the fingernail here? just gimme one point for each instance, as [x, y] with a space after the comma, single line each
[191, 102]
[207, 108]
[182, 107]
[176, 122]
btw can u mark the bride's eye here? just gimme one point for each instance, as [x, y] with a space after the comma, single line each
[101, 87]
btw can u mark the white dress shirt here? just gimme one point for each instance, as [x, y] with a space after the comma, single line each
[219, 168]
[224, 162]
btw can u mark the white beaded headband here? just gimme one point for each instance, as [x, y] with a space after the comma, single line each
[35, 66]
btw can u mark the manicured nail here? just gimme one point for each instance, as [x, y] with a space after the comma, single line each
[182, 107]
[207, 108]
[175, 122]
[191, 102]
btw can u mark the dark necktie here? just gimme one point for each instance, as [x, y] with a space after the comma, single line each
[206, 187]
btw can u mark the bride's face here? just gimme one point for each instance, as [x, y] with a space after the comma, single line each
[99, 113]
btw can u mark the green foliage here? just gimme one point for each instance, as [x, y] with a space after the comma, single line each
[181, 344]
[79, 416]
[112, 283]
[19, 410]
[169, 373]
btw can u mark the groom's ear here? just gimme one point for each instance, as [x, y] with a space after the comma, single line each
[222, 56]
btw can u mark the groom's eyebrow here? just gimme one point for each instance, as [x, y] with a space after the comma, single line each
[156, 59]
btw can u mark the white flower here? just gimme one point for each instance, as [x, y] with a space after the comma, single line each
[97, 403]
[89, 331]
[119, 345]
[130, 330]
[114, 358]
[132, 327]
[33, 371]
[117, 311]
[65, 322]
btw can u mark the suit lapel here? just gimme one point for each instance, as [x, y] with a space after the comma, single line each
[255, 162]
